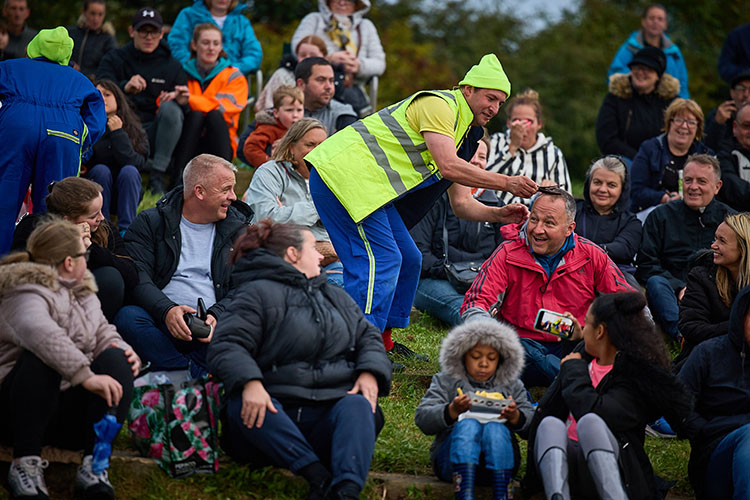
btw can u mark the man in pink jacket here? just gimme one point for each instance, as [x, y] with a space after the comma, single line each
[542, 264]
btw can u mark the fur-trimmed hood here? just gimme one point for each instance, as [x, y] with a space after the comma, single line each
[620, 86]
[499, 335]
[13, 276]
[265, 117]
[107, 27]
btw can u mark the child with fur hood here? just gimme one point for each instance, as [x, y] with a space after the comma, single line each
[482, 355]
[288, 108]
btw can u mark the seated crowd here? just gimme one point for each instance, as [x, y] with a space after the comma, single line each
[655, 252]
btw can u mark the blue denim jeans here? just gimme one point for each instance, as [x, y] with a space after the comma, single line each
[440, 299]
[728, 473]
[490, 446]
[335, 273]
[155, 344]
[542, 362]
[127, 191]
[663, 304]
[341, 435]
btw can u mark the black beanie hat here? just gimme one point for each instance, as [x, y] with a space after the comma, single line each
[652, 57]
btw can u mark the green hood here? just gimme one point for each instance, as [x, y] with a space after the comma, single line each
[54, 44]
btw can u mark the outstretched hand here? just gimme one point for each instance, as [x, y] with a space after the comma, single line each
[521, 186]
[515, 213]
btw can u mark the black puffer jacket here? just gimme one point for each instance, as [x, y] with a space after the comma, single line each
[160, 70]
[703, 315]
[153, 240]
[627, 118]
[717, 373]
[634, 393]
[618, 233]
[305, 339]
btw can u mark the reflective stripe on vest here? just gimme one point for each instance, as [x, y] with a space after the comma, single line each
[379, 158]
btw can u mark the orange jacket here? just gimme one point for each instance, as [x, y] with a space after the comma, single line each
[227, 91]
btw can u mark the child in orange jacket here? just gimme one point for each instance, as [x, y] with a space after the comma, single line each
[288, 107]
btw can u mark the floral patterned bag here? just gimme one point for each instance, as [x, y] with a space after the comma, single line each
[177, 426]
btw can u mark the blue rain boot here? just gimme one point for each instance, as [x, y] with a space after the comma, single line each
[464, 476]
[500, 481]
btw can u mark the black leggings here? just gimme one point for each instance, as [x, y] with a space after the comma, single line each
[111, 292]
[202, 133]
[36, 412]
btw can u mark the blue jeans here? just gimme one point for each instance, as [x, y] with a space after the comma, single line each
[155, 344]
[728, 473]
[440, 299]
[341, 435]
[381, 261]
[127, 191]
[490, 446]
[542, 362]
[663, 304]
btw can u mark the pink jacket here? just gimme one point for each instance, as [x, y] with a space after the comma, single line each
[512, 286]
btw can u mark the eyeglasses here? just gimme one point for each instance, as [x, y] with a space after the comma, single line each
[683, 121]
[83, 254]
[148, 33]
[741, 89]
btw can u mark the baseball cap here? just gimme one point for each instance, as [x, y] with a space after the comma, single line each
[147, 16]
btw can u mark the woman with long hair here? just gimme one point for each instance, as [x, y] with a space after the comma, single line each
[713, 282]
[587, 435]
[80, 201]
[119, 156]
[62, 365]
[301, 366]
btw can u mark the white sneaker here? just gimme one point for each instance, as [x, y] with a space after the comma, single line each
[26, 478]
[93, 486]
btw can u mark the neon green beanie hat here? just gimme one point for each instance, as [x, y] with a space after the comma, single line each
[488, 74]
[54, 44]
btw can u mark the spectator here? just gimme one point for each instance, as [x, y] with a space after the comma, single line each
[79, 201]
[713, 282]
[672, 233]
[633, 110]
[92, 37]
[716, 375]
[544, 264]
[16, 12]
[523, 150]
[735, 163]
[309, 46]
[352, 44]
[467, 241]
[63, 365]
[658, 166]
[652, 34]
[288, 108]
[279, 191]
[479, 356]
[155, 84]
[314, 76]
[603, 216]
[4, 38]
[735, 54]
[181, 248]
[719, 123]
[119, 157]
[218, 92]
[242, 47]
[303, 402]
[47, 127]
[587, 434]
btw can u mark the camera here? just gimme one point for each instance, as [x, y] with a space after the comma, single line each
[199, 329]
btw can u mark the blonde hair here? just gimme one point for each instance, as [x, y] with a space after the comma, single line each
[287, 91]
[528, 97]
[50, 243]
[681, 106]
[295, 133]
[740, 224]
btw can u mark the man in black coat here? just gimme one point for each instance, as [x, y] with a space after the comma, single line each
[735, 162]
[181, 248]
[156, 85]
[673, 232]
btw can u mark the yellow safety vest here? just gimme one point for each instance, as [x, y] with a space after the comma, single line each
[378, 158]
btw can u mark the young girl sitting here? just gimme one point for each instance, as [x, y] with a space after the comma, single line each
[288, 108]
[477, 356]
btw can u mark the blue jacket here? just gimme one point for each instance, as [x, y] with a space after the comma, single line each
[675, 63]
[240, 43]
[647, 171]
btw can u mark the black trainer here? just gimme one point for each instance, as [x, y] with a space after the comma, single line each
[406, 353]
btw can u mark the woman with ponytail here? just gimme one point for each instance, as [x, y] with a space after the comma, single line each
[587, 435]
[301, 366]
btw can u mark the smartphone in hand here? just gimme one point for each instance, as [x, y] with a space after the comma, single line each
[553, 322]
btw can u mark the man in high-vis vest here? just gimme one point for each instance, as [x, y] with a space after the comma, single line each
[388, 168]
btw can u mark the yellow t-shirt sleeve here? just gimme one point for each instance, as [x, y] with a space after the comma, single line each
[431, 113]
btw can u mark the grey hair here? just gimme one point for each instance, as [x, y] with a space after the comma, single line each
[708, 160]
[200, 170]
[610, 162]
[556, 192]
